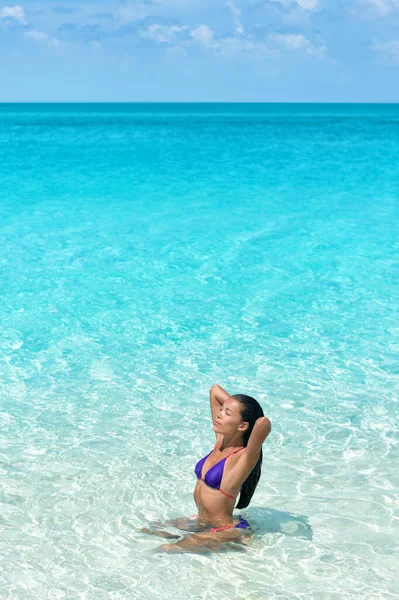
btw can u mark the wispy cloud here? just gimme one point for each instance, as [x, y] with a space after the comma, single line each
[388, 50]
[292, 41]
[297, 42]
[272, 44]
[40, 36]
[134, 27]
[131, 12]
[16, 13]
[85, 33]
[64, 10]
[304, 4]
[163, 34]
[236, 12]
[381, 7]
[109, 16]
[308, 4]
[203, 34]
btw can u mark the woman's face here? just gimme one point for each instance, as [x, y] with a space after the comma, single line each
[228, 419]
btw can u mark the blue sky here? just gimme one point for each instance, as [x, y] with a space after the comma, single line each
[200, 50]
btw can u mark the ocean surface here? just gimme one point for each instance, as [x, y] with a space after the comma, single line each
[149, 251]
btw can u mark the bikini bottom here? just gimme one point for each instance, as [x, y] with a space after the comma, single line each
[242, 524]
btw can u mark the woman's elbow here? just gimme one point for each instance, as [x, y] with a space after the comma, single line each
[265, 423]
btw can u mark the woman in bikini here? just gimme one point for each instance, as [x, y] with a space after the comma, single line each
[233, 467]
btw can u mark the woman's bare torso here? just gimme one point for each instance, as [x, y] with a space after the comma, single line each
[213, 506]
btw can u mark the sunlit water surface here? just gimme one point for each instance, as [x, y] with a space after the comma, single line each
[149, 251]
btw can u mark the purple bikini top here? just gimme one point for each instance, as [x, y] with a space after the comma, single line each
[214, 475]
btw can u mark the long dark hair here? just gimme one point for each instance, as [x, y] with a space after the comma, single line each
[250, 410]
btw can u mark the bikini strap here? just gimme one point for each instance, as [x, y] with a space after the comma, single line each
[234, 451]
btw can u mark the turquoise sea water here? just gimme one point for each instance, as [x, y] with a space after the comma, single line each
[149, 251]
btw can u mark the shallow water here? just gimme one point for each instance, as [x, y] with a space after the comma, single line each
[148, 251]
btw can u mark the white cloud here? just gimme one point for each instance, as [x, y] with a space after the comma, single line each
[204, 35]
[382, 7]
[296, 41]
[236, 12]
[37, 35]
[317, 51]
[179, 3]
[131, 12]
[165, 34]
[40, 36]
[388, 49]
[308, 4]
[232, 45]
[305, 4]
[13, 12]
[275, 45]
[292, 41]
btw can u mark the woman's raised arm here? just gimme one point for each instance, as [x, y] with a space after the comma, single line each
[261, 430]
[217, 397]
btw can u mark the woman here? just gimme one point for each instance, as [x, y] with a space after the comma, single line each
[233, 467]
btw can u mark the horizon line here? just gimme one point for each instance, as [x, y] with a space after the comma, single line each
[190, 102]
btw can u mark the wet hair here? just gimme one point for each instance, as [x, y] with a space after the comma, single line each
[250, 410]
